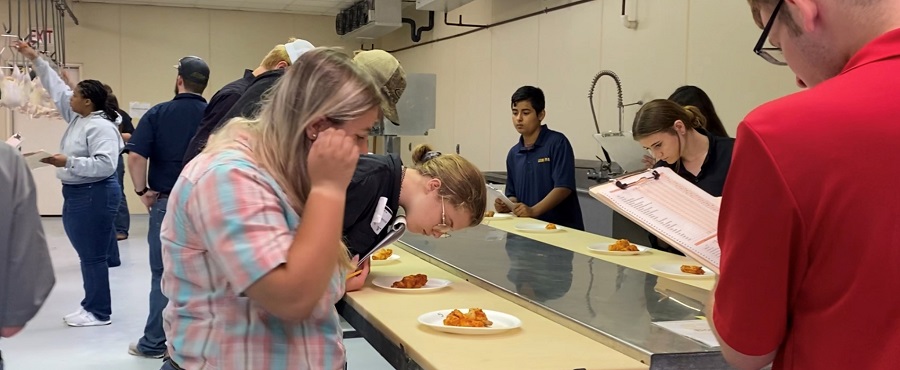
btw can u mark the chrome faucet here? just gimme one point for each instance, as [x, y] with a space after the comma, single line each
[608, 169]
[619, 104]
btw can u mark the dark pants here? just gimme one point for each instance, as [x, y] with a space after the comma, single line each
[123, 218]
[88, 212]
[154, 340]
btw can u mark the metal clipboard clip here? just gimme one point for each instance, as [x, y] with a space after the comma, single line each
[621, 185]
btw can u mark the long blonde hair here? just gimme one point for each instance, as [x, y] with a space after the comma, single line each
[323, 84]
[463, 185]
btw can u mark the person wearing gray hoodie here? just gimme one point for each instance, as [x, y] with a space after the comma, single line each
[86, 165]
[26, 274]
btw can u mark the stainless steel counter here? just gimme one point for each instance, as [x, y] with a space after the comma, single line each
[609, 303]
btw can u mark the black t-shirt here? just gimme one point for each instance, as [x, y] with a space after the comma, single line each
[251, 100]
[127, 125]
[711, 177]
[376, 177]
[217, 108]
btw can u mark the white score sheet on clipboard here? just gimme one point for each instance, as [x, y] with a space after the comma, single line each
[502, 196]
[397, 230]
[670, 207]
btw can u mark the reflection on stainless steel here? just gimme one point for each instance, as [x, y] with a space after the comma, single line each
[604, 301]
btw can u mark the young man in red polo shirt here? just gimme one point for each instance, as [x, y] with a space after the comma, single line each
[809, 227]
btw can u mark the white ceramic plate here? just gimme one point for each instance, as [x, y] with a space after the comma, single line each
[603, 248]
[674, 270]
[502, 322]
[392, 259]
[538, 228]
[433, 284]
[500, 216]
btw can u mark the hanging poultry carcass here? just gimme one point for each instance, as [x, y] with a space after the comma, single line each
[40, 104]
[25, 87]
[11, 95]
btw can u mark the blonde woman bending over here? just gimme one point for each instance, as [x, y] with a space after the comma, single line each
[439, 194]
[251, 242]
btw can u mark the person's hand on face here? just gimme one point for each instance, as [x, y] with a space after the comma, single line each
[332, 160]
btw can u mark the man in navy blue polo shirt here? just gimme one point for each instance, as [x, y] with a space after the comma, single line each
[540, 169]
[162, 137]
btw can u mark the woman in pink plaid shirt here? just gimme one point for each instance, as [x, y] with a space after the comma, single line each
[250, 286]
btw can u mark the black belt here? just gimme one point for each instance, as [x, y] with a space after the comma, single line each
[162, 196]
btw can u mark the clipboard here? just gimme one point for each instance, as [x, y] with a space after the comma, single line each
[397, 230]
[502, 196]
[34, 159]
[668, 206]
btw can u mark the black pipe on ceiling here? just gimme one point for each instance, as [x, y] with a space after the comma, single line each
[487, 26]
[416, 34]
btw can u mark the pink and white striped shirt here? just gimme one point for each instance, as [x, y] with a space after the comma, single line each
[228, 225]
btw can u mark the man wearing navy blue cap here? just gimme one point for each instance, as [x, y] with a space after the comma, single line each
[161, 138]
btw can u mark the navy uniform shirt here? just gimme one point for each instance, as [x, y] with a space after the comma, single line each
[533, 172]
[711, 177]
[162, 136]
[376, 177]
[218, 106]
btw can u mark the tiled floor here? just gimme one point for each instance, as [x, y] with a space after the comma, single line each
[46, 343]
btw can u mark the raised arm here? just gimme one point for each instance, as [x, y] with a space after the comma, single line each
[59, 91]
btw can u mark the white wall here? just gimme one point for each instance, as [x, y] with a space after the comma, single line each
[130, 48]
[701, 42]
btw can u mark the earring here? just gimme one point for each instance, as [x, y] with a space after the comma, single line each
[315, 136]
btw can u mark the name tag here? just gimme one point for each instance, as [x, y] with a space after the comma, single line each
[543, 160]
[382, 216]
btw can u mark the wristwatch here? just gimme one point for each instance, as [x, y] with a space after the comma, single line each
[142, 192]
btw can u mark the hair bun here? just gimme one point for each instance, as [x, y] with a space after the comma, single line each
[423, 153]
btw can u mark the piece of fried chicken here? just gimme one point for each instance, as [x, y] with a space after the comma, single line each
[411, 282]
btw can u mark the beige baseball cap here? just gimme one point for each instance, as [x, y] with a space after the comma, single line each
[388, 74]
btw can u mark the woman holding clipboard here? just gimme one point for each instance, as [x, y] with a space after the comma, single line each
[677, 138]
[440, 193]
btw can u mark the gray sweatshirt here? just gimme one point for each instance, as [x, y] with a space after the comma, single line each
[26, 274]
[91, 143]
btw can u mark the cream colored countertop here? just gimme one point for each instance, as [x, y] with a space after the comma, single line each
[578, 242]
[539, 344]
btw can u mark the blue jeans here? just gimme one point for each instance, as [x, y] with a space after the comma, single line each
[88, 212]
[123, 218]
[154, 340]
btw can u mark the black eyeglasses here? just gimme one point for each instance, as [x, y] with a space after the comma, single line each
[771, 55]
